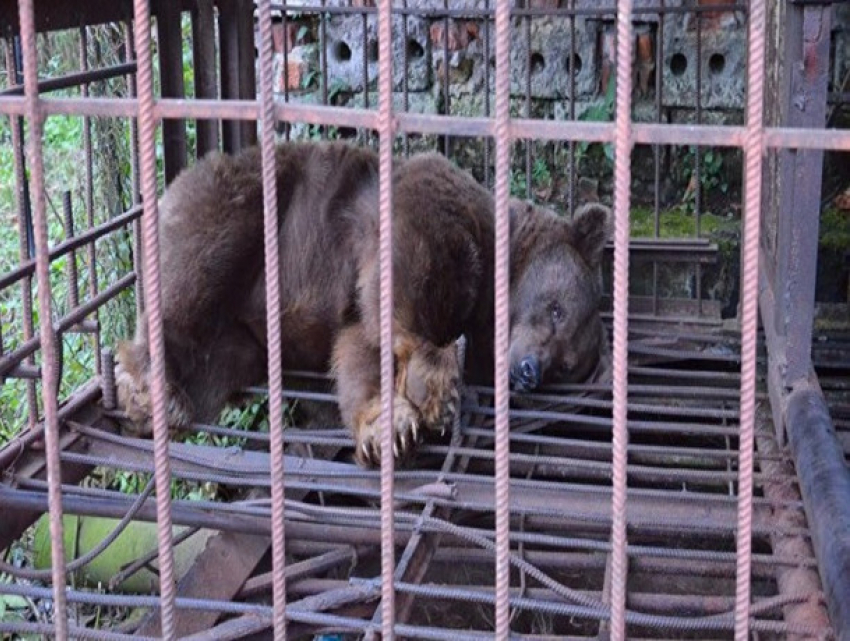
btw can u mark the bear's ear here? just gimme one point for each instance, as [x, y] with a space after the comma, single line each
[590, 229]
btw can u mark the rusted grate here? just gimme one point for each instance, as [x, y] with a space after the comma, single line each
[664, 506]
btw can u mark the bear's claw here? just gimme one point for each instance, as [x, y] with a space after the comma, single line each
[406, 424]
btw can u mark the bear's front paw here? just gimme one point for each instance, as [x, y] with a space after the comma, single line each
[433, 385]
[367, 431]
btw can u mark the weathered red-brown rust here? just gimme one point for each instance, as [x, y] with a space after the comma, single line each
[749, 309]
[76, 79]
[50, 369]
[16, 127]
[622, 185]
[273, 323]
[790, 580]
[386, 132]
[153, 302]
[501, 126]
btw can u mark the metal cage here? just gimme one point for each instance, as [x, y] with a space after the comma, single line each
[705, 494]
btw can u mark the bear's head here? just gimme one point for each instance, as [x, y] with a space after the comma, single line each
[556, 332]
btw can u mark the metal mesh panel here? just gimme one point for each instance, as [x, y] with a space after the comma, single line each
[665, 504]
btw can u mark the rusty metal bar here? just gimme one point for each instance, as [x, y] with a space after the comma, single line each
[88, 197]
[228, 19]
[50, 351]
[825, 486]
[386, 133]
[810, 612]
[71, 269]
[153, 307]
[80, 78]
[540, 10]
[27, 268]
[203, 63]
[11, 360]
[135, 177]
[622, 186]
[502, 130]
[169, 39]
[807, 39]
[247, 67]
[25, 242]
[749, 308]
[642, 133]
[273, 321]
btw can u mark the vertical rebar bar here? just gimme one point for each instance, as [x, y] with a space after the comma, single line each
[274, 331]
[153, 305]
[749, 310]
[528, 70]
[502, 318]
[135, 179]
[487, 91]
[622, 183]
[68, 223]
[385, 262]
[89, 197]
[22, 205]
[49, 351]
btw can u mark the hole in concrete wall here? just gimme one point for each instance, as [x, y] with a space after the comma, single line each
[372, 51]
[678, 64]
[573, 64]
[538, 64]
[341, 51]
[414, 50]
[716, 63]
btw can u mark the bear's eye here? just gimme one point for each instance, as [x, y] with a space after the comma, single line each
[557, 312]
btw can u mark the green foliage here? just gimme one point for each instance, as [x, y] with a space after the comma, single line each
[712, 174]
[835, 229]
[675, 223]
[602, 111]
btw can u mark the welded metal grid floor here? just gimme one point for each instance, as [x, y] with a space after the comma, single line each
[681, 508]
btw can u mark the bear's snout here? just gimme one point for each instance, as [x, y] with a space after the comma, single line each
[525, 375]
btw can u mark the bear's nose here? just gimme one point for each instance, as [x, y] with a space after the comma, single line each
[526, 376]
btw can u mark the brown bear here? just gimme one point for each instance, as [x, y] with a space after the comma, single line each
[213, 288]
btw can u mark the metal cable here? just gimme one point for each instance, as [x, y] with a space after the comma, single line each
[47, 630]
[273, 321]
[753, 150]
[502, 318]
[50, 370]
[76, 564]
[153, 306]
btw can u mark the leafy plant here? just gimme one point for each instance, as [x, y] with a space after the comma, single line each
[712, 174]
[600, 112]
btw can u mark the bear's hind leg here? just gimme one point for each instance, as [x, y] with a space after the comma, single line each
[356, 362]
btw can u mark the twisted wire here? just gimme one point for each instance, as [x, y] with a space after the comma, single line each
[622, 184]
[385, 256]
[153, 305]
[273, 322]
[502, 318]
[76, 564]
[50, 369]
[749, 312]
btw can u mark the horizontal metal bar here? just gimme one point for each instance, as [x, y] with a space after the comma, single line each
[67, 246]
[31, 346]
[520, 128]
[516, 12]
[76, 79]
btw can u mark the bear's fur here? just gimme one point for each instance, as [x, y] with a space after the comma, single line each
[213, 288]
